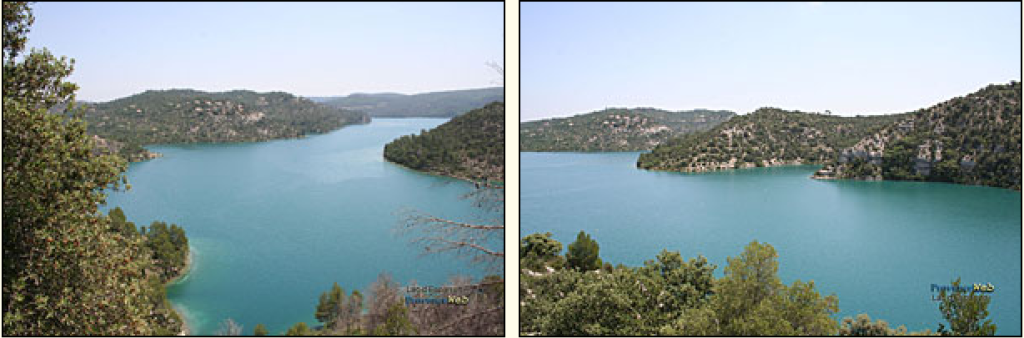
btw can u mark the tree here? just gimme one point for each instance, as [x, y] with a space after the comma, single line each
[583, 254]
[119, 223]
[965, 312]
[679, 284]
[65, 272]
[168, 246]
[331, 306]
[229, 328]
[352, 312]
[383, 294]
[539, 250]
[260, 330]
[396, 322]
[751, 300]
[299, 329]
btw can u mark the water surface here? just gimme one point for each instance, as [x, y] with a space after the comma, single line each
[877, 245]
[273, 224]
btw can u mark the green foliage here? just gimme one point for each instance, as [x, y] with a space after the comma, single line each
[539, 250]
[751, 300]
[625, 301]
[330, 306]
[601, 305]
[260, 330]
[615, 129]
[583, 254]
[768, 136]
[299, 329]
[396, 322]
[436, 104]
[678, 284]
[190, 116]
[120, 224]
[965, 312]
[169, 248]
[470, 146]
[67, 269]
[670, 296]
[17, 18]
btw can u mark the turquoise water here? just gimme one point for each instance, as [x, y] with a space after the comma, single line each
[877, 245]
[273, 224]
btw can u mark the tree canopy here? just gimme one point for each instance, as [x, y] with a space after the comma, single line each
[672, 296]
[67, 269]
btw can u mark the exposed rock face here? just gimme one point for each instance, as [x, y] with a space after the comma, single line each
[105, 146]
[975, 139]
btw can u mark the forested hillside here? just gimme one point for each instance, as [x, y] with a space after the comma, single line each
[975, 139]
[435, 104]
[470, 146]
[187, 116]
[615, 129]
[766, 137]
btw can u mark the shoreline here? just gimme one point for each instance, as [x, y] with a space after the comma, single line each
[180, 144]
[185, 329]
[457, 178]
[706, 171]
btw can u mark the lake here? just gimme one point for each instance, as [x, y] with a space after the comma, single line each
[272, 225]
[879, 246]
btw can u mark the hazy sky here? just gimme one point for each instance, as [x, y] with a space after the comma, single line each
[850, 58]
[309, 49]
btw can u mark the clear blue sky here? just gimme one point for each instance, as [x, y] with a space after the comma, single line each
[309, 49]
[850, 58]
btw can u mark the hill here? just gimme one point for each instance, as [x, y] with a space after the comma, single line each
[470, 146]
[975, 139]
[435, 104]
[188, 116]
[615, 129]
[766, 137]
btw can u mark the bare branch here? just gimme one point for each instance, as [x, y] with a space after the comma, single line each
[473, 240]
[455, 245]
[499, 69]
[464, 225]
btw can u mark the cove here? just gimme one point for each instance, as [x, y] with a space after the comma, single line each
[879, 246]
[272, 225]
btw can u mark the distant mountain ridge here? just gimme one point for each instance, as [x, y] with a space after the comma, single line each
[433, 104]
[189, 116]
[974, 139]
[616, 129]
